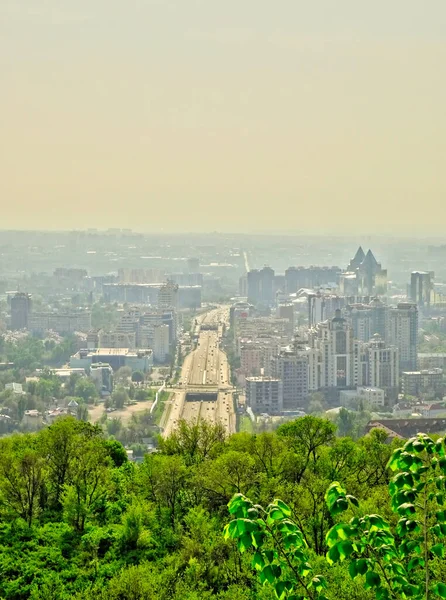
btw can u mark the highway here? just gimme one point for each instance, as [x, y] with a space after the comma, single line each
[206, 392]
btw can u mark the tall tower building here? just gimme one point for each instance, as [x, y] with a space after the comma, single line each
[379, 318]
[261, 286]
[383, 366]
[421, 286]
[403, 333]
[291, 367]
[334, 338]
[168, 296]
[21, 305]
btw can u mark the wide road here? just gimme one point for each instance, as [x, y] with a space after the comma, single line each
[205, 373]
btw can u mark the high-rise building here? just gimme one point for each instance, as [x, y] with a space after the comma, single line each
[286, 311]
[291, 367]
[193, 265]
[264, 394]
[334, 339]
[403, 333]
[297, 278]
[161, 343]
[383, 366]
[379, 315]
[359, 315]
[21, 305]
[261, 286]
[371, 278]
[168, 296]
[421, 287]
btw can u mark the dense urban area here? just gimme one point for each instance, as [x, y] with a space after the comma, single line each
[146, 379]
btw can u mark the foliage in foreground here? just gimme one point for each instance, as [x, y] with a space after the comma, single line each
[396, 558]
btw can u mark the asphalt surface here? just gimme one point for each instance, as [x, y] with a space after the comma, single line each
[205, 370]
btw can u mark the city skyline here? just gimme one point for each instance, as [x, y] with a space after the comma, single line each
[190, 117]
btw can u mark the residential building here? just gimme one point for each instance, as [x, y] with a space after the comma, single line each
[403, 333]
[421, 288]
[102, 375]
[371, 398]
[116, 339]
[414, 383]
[432, 360]
[297, 278]
[334, 339]
[168, 296]
[21, 305]
[383, 366]
[161, 343]
[68, 322]
[291, 367]
[250, 358]
[286, 311]
[189, 296]
[15, 388]
[264, 395]
[261, 286]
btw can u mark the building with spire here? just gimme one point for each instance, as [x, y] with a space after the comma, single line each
[364, 276]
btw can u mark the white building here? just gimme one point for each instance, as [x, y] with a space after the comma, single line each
[383, 365]
[334, 340]
[291, 367]
[403, 333]
[160, 343]
[368, 397]
[264, 394]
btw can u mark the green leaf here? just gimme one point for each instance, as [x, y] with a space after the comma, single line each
[393, 463]
[339, 506]
[406, 509]
[245, 542]
[280, 588]
[268, 574]
[283, 507]
[372, 579]
[345, 549]
[353, 500]
[275, 514]
[333, 555]
[438, 550]
[440, 589]
[258, 562]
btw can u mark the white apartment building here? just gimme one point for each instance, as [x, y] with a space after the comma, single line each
[264, 394]
[161, 343]
[403, 333]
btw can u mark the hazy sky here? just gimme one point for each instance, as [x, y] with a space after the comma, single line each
[223, 115]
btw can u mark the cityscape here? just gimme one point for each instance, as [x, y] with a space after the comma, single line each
[222, 300]
[306, 339]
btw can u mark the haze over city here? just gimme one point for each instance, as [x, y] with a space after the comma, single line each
[237, 116]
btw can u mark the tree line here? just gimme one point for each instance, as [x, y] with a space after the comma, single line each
[78, 520]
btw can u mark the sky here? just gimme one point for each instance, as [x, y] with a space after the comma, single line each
[234, 115]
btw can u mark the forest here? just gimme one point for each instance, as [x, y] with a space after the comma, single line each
[78, 520]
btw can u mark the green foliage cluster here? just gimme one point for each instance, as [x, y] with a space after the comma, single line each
[77, 520]
[31, 353]
[397, 557]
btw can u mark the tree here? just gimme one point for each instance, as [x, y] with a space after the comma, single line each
[193, 441]
[402, 563]
[120, 398]
[137, 376]
[123, 374]
[86, 389]
[89, 472]
[280, 553]
[21, 475]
